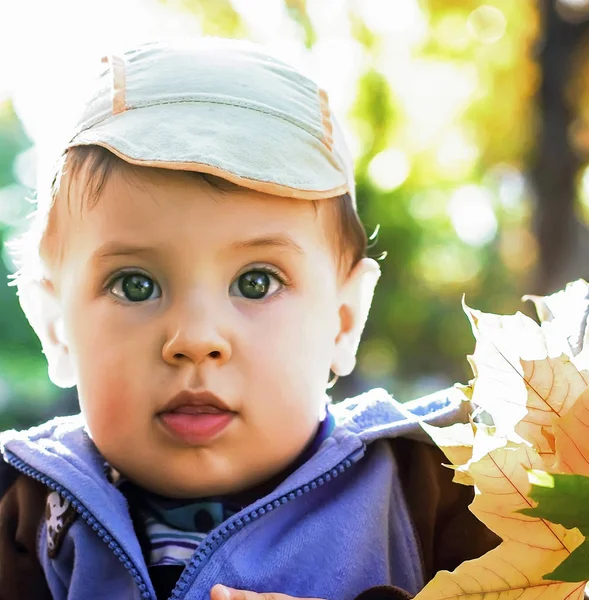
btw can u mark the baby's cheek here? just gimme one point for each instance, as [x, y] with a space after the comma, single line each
[108, 407]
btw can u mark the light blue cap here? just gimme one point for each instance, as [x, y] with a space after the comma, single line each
[220, 107]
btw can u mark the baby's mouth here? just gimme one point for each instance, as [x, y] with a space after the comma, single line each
[201, 401]
[195, 418]
[191, 409]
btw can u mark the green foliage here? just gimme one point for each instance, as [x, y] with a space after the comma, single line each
[23, 371]
[216, 17]
[297, 9]
[564, 499]
[14, 141]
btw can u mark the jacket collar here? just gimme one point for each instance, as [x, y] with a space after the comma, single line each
[375, 414]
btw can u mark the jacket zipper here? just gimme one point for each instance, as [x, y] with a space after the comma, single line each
[234, 525]
[101, 531]
[207, 547]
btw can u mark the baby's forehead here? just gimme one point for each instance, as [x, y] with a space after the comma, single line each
[162, 203]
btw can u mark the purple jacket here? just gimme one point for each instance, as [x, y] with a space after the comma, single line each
[335, 527]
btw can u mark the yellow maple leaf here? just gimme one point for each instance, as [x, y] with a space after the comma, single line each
[501, 478]
[571, 434]
[509, 572]
[531, 548]
[519, 383]
[456, 441]
[501, 344]
[463, 444]
[539, 401]
[564, 322]
[553, 385]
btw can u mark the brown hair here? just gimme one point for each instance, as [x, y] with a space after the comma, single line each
[41, 244]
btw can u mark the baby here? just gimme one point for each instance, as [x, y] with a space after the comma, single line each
[197, 271]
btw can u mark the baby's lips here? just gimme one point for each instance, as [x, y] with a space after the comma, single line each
[204, 409]
[196, 402]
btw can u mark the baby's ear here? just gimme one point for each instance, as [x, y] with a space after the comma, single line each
[43, 311]
[357, 293]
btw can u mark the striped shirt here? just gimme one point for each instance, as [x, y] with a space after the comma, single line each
[175, 529]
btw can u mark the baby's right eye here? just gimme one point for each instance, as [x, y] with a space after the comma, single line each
[134, 287]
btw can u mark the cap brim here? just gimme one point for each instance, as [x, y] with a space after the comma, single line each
[233, 142]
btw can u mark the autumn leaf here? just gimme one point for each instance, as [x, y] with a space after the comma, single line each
[510, 571]
[459, 441]
[456, 441]
[532, 545]
[529, 379]
[564, 321]
[501, 343]
[553, 385]
[571, 435]
[518, 383]
[501, 477]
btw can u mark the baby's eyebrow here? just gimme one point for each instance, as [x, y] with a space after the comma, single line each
[115, 248]
[279, 240]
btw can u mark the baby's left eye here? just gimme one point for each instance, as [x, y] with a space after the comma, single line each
[135, 287]
[256, 284]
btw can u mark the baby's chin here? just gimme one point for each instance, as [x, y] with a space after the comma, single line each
[172, 471]
[181, 484]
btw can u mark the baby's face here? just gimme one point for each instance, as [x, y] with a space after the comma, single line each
[169, 285]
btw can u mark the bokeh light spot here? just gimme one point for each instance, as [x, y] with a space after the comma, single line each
[448, 265]
[518, 249]
[472, 215]
[389, 169]
[456, 155]
[486, 24]
[377, 358]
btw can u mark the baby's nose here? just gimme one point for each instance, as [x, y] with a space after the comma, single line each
[196, 335]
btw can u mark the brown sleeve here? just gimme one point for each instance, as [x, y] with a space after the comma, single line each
[384, 592]
[21, 510]
[448, 532]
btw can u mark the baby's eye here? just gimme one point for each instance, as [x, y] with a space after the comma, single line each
[256, 284]
[135, 287]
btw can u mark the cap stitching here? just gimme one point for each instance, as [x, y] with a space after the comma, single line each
[317, 133]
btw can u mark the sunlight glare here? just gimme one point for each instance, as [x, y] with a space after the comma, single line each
[276, 30]
[59, 73]
[456, 155]
[472, 215]
[386, 17]
[433, 94]
[389, 169]
[486, 24]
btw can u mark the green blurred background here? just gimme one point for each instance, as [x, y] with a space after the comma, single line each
[469, 121]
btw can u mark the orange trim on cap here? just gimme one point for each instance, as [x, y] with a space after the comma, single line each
[119, 103]
[264, 187]
[326, 120]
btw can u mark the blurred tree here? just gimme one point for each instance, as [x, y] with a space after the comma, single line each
[562, 237]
